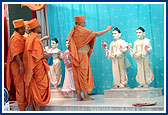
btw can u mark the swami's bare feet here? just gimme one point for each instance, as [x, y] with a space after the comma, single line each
[79, 97]
[88, 98]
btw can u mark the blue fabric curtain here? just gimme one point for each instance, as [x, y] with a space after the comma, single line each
[127, 17]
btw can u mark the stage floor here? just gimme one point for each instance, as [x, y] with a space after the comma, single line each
[101, 104]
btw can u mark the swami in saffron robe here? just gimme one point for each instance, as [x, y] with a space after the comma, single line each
[16, 47]
[36, 71]
[82, 73]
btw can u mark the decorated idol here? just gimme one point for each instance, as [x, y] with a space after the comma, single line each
[55, 72]
[141, 53]
[68, 85]
[117, 53]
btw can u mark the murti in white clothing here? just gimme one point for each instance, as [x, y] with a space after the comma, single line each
[117, 53]
[141, 53]
[68, 85]
[55, 73]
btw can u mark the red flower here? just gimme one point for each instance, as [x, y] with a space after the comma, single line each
[104, 45]
[146, 48]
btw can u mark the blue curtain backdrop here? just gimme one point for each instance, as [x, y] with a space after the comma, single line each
[127, 17]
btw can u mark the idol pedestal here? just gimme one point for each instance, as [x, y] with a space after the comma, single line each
[133, 93]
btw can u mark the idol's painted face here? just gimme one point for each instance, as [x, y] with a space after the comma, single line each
[116, 35]
[140, 34]
[54, 44]
[67, 44]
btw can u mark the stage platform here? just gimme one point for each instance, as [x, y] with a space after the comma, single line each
[133, 92]
[56, 93]
[100, 104]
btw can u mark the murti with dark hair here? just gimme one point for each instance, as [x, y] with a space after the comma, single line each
[55, 39]
[116, 29]
[140, 28]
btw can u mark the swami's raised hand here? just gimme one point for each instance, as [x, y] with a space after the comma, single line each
[109, 28]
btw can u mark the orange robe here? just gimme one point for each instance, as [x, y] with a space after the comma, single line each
[36, 71]
[16, 47]
[82, 73]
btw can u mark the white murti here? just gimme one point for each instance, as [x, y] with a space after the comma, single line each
[141, 52]
[55, 73]
[117, 53]
[68, 85]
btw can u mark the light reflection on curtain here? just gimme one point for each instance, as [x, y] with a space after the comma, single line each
[41, 17]
[127, 17]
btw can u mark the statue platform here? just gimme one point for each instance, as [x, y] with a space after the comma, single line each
[133, 92]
